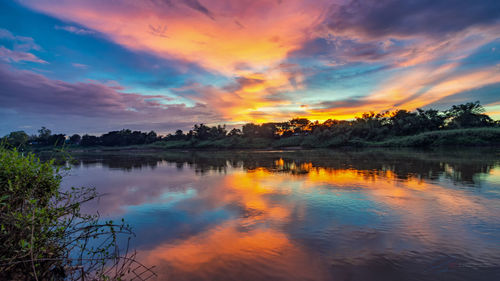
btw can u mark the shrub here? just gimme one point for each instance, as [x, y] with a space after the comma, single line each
[43, 234]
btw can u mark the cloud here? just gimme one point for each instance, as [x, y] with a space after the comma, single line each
[80, 65]
[21, 46]
[486, 95]
[270, 57]
[27, 93]
[21, 43]
[196, 5]
[349, 103]
[377, 18]
[218, 45]
[158, 30]
[74, 29]
[242, 99]
[18, 56]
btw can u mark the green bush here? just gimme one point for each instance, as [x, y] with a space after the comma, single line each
[43, 234]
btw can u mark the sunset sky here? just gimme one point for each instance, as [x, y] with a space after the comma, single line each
[91, 66]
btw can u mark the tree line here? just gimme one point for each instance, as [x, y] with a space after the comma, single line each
[369, 126]
[113, 138]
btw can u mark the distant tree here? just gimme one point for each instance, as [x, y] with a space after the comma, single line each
[88, 140]
[369, 126]
[284, 129]
[75, 139]
[178, 135]
[201, 132]
[114, 138]
[43, 135]
[57, 139]
[299, 125]
[250, 130]
[151, 137]
[16, 139]
[137, 137]
[268, 130]
[234, 133]
[405, 122]
[468, 115]
[431, 119]
[127, 137]
[217, 132]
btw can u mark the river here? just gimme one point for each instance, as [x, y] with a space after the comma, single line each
[373, 214]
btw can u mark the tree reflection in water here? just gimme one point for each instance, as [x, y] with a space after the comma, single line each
[306, 215]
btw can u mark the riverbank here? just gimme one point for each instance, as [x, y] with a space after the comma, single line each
[458, 137]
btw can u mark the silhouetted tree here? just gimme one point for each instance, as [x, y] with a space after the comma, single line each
[431, 119]
[250, 130]
[75, 139]
[217, 132]
[43, 136]
[235, 133]
[16, 139]
[369, 126]
[405, 122]
[88, 140]
[201, 131]
[299, 125]
[468, 115]
[57, 139]
[151, 137]
[268, 130]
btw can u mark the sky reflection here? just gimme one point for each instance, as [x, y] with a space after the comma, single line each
[305, 215]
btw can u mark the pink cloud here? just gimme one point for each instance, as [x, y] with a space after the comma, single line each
[28, 92]
[18, 56]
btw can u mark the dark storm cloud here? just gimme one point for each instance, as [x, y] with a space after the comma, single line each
[409, 17]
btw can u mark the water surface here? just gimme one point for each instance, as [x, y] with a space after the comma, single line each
[305, 215]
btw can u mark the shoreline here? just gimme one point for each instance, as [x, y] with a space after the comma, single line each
[476, 137]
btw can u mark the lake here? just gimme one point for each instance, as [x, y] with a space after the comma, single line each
[305, 215]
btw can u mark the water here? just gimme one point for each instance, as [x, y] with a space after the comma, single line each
[305, 215]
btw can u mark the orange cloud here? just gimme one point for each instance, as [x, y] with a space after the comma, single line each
[251, 41]
[257, 34]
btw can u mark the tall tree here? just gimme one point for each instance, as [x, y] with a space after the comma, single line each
[468, 115]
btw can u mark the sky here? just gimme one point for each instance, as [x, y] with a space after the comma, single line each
[92, 66]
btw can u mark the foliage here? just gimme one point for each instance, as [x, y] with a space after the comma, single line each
[75, 139]
[43, 234]
[463, 137]
[16, 139]
[467, 116]
[370, 127]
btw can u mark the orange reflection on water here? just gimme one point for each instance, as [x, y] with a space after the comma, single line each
[251, 189]
[223, 242]
[232, 254]
[257, 237]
